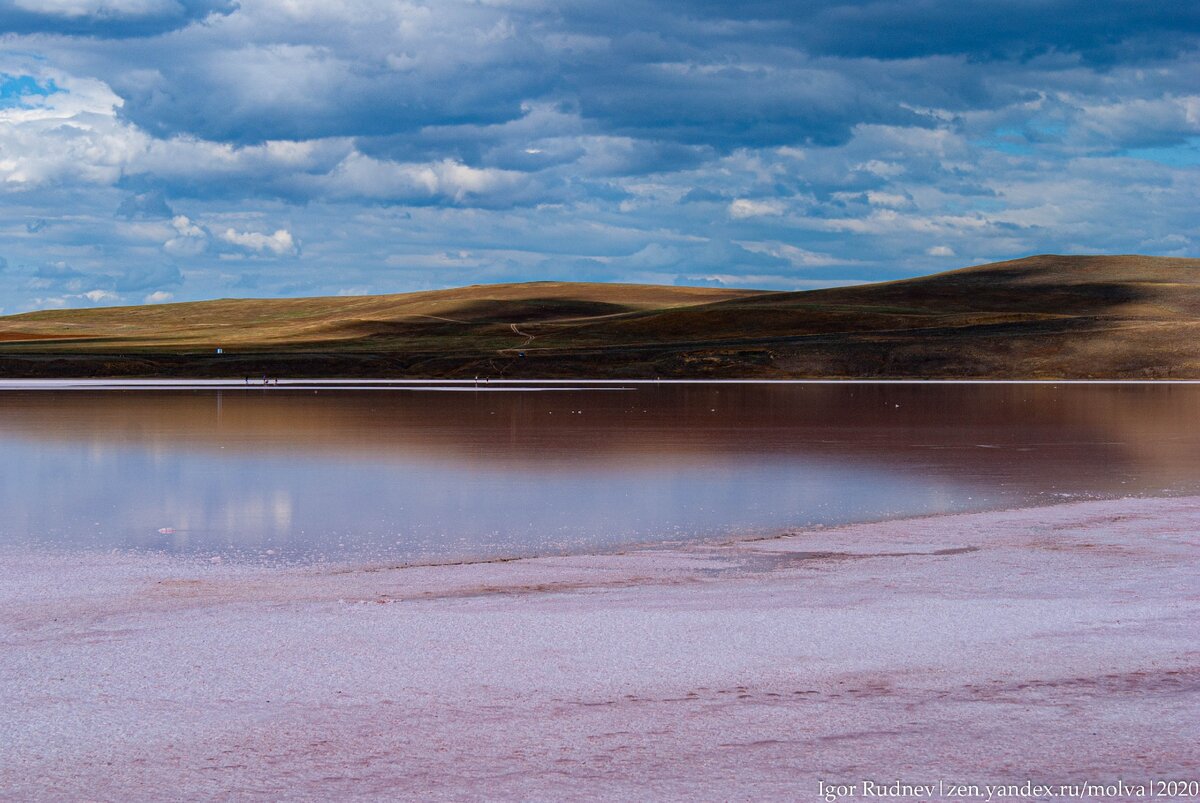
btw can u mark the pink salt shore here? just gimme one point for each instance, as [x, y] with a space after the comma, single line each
[1054, 645]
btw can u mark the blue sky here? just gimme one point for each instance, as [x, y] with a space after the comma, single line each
[156, 150]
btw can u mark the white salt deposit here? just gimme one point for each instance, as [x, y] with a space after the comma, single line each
[1052, 644]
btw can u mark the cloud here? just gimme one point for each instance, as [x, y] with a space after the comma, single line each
[57, 271]
[100, 284]
[695, 73]
[360, 176]
[188, 239]
[1102, 30]
[190, 146]
[1140, 123]
[66, 136]
[158, 297]
[742, 208]
[656, 255]
[100, 296]
[106, 18]
[305, 70]
[147, 205]
[796, 257]
[280, 243]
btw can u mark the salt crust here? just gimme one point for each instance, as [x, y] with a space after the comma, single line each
[1051, 644]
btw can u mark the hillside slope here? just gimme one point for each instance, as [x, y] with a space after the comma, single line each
[290, 322]
[1039, 317]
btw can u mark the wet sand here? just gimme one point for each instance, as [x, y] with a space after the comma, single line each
[1049, 644]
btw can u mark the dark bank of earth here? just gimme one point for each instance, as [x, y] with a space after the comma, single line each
[1119, 317]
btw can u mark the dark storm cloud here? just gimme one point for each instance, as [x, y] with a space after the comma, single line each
[96, 18]
[253, 94]
[734, 106]
[1099, 30]
[1104, 30]
[696, 73]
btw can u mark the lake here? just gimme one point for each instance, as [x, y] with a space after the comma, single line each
[408, 472]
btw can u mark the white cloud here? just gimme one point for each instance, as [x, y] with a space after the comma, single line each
[186, 227]
[189, 240]
[744, 207]
[655, 255]
[940, 251]
[51, 302]
[75, 138]
[890, 199]
[71, 136]
[359, 176]
[881, 168]
[280, 243]
[187, 160]
[1138, 121]
[798, 257]
[158, 297]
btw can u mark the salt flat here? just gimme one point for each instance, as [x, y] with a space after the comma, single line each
[1053, 644]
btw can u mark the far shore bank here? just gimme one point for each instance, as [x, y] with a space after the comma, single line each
[1048, 316]
[484, 382]
[1053, 645]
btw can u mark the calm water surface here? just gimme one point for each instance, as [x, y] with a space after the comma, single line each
[321, 473]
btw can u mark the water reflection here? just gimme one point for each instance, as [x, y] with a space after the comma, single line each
[424, 475]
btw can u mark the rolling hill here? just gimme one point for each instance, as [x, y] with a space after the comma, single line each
[1039, 317]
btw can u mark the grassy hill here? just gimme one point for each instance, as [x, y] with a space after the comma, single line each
[1040, 317]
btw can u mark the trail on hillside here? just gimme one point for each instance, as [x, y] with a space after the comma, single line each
[516, 330]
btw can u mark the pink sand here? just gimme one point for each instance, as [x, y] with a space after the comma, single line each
[1051, 644]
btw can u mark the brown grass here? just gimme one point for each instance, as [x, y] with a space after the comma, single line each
[1044, 316]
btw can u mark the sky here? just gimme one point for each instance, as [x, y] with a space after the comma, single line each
[172, 150]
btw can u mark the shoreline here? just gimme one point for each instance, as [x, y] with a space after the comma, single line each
[350, 383]
[977, 647]
[203, 559]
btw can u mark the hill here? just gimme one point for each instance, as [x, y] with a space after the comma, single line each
[1039, 317]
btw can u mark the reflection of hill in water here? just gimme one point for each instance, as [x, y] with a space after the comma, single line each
[1082, 438]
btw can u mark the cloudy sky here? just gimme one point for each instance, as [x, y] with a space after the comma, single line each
[153, 150]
